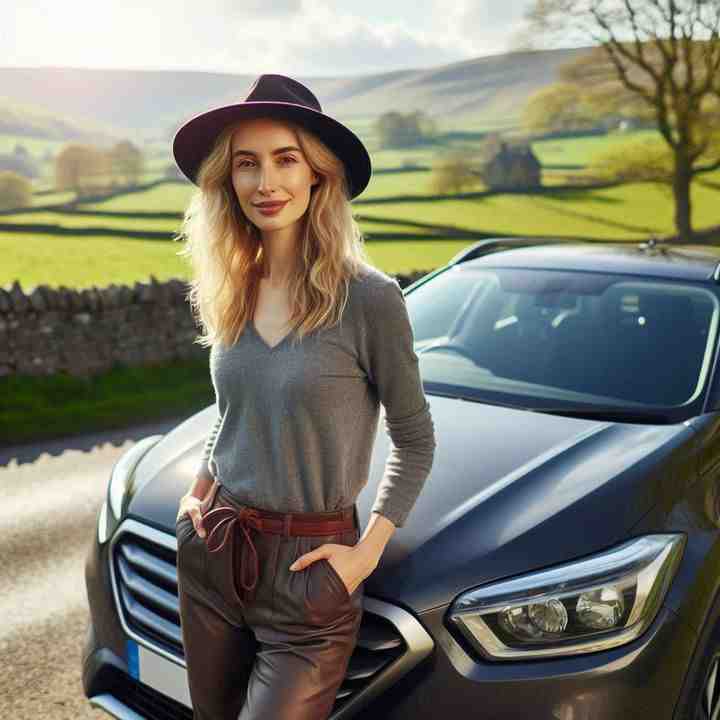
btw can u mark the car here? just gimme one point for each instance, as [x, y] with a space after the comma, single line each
[562, 560]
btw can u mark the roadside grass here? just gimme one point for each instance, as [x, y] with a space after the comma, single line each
[48, 407]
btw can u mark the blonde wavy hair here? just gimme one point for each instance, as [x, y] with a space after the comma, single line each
[225, 248]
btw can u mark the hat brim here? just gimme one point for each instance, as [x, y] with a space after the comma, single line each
[195, 138]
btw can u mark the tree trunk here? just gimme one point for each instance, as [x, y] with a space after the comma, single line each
[682, 180]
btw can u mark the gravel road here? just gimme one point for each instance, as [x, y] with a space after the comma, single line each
[50, 497]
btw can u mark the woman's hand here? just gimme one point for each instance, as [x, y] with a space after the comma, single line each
[354, 563]
[190, 505]
[350, 562]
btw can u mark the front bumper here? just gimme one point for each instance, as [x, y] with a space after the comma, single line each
[429, 673]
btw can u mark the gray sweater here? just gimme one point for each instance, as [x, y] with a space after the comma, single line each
[296, 424]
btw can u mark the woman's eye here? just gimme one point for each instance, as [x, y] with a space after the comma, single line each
[243, 163]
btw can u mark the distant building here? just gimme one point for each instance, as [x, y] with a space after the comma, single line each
[512, 167]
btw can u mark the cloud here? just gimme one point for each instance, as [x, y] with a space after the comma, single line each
[478, 27]
[249, 9]
[301, 37]
[323, 38]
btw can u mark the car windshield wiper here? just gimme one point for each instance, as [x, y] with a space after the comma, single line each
[470, 398]
[600, 412]
[609, 413]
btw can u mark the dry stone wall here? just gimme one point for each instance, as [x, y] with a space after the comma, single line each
[87, 332]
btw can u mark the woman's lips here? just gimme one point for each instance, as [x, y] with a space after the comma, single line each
[271, 209]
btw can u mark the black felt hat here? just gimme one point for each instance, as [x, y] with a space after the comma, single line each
[280, 97]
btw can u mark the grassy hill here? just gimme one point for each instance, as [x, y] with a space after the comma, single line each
[481, 92]
[39, 127]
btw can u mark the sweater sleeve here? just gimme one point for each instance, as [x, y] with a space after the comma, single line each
[204, 467]
[392, 366]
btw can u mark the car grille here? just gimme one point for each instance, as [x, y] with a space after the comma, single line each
[390, 640]
[146, 580]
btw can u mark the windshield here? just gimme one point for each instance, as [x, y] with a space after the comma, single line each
[549, 339]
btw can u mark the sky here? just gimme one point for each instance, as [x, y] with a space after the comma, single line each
[303, 37]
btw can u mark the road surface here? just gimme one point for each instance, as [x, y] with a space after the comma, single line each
[50, 494]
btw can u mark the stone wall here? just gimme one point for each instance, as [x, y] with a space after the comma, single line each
[87, 332]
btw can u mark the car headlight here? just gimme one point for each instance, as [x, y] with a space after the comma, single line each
[112, 509]
[595, 603]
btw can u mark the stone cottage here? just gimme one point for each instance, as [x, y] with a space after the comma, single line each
[512, 167]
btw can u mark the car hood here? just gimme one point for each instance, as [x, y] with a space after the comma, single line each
[509, 491]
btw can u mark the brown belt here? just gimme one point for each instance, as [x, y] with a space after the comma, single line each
[244, 518]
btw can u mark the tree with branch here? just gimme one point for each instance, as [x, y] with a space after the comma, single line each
[661, 55]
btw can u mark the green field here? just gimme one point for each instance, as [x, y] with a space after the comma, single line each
[171, 197]
[621, 213]
[95, 260]
[399, 202]
[85, 221]
[581, 151]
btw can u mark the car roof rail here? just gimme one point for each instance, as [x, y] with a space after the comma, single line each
[492, 245]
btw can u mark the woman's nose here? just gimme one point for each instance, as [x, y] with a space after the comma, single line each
[267, 178]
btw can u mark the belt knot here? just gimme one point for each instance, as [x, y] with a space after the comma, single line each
[243, 519]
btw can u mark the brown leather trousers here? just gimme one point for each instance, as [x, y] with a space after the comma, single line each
[263, 642]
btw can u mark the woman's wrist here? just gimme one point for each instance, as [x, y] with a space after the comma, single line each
[377, 534]
[200, 487]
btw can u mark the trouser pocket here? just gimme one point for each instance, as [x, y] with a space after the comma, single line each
[326, 596]
[184, 529]
[191, 551]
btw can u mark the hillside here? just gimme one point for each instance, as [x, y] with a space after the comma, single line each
[485, 90]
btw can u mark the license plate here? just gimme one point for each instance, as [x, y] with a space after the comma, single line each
[158, 672]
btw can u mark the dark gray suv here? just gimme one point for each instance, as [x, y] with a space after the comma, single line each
[563, 559]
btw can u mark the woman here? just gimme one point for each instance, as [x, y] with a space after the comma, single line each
[307, 340]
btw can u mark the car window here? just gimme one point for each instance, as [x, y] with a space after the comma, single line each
[453, 292]
[577, 337]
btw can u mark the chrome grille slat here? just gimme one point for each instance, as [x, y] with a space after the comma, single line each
[141, 559]
[145, 617]
[142, 588]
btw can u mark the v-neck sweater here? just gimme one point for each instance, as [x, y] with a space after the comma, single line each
[297, 421]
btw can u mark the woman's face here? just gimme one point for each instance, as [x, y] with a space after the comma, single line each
[268, 165]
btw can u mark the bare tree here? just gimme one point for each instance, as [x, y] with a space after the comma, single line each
[561, 106]
[453, 173]
[79, 167]
[666, 55]
[127, 162]
[15, 190]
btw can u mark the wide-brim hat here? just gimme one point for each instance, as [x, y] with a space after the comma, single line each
[281, 97]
